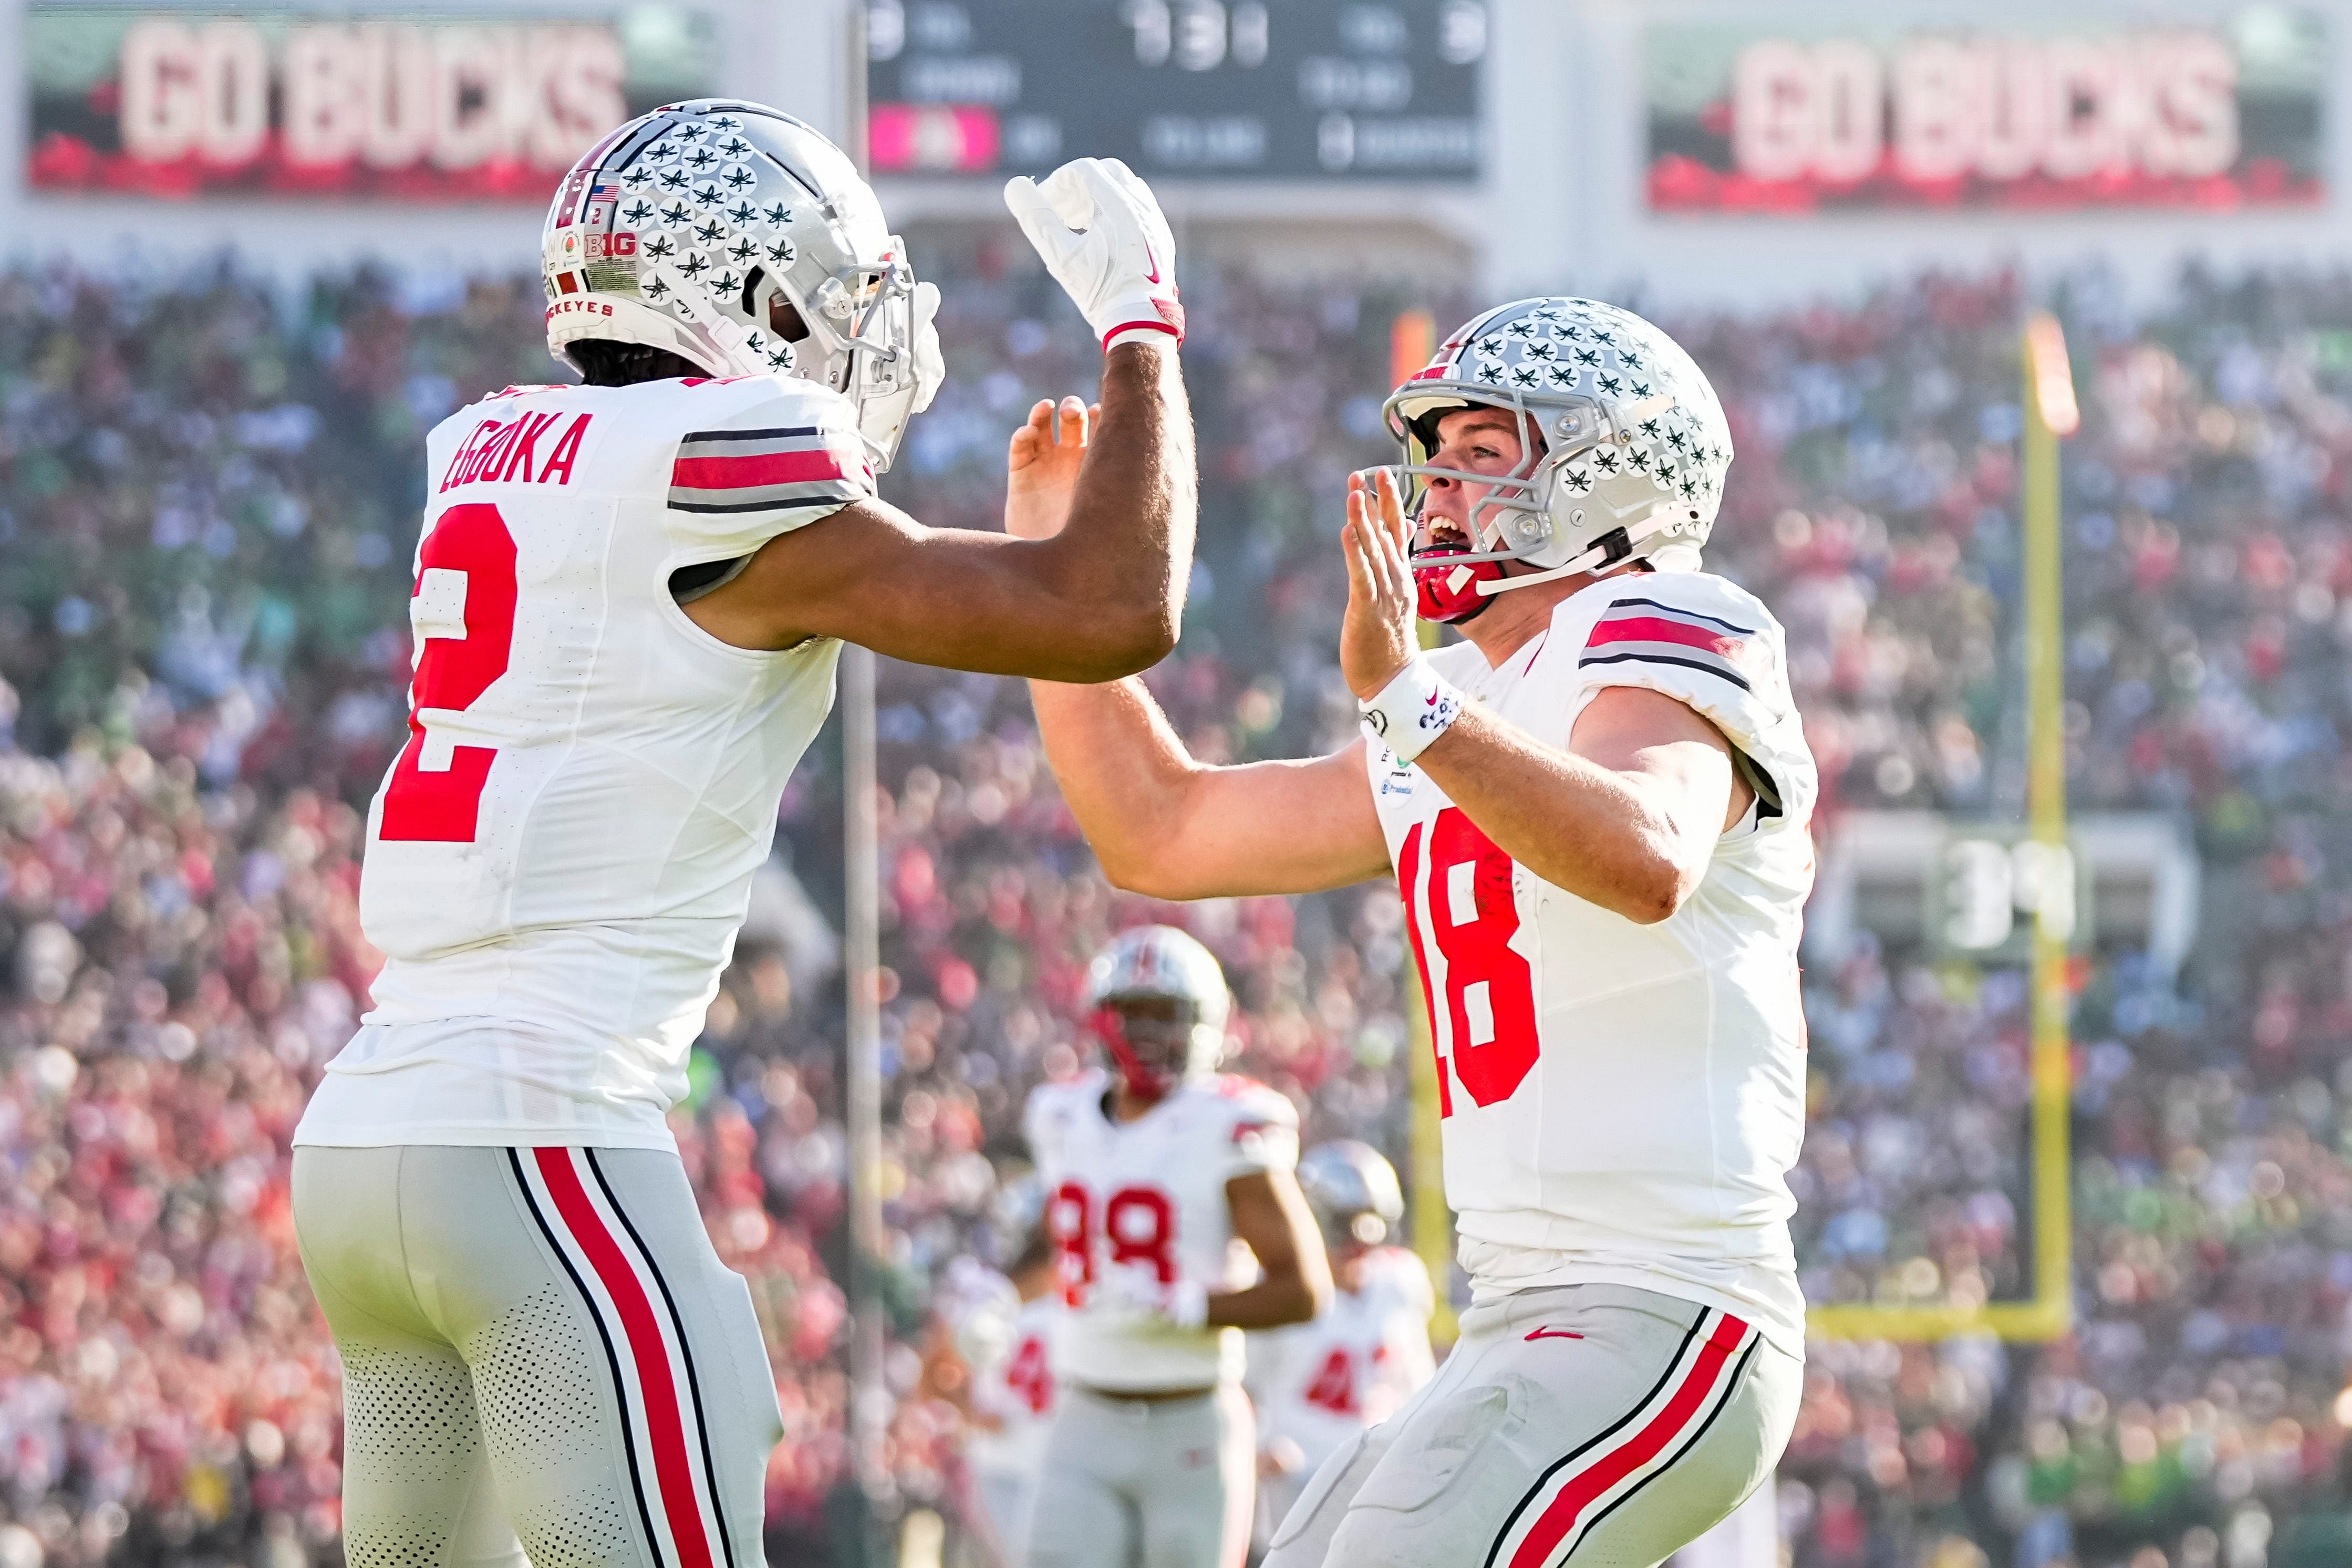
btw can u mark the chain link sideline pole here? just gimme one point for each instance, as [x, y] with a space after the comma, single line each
[869, 1409]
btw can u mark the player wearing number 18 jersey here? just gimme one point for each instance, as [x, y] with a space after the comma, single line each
[1157, 1176]
[1596, 807]
[630, 598]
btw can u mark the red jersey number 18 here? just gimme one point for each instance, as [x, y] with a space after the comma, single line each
[1489, 991]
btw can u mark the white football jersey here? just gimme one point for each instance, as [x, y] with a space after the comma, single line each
[1623, 1103]
[1320, 1383]
[559, 859]
[1013, 1383]
[1149, 1195]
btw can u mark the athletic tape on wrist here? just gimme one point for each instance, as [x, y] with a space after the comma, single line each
[1413, 709]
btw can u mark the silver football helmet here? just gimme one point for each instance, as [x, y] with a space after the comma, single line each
[685, 228]
[1160, 1006]
[1627, 445]
[1353, 1190]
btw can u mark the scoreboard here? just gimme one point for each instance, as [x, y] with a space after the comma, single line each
[1291, 89]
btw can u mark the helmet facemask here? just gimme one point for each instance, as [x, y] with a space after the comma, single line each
[1449, 577]
[1156, 1042]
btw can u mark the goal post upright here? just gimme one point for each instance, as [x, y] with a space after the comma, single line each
[2049, 413]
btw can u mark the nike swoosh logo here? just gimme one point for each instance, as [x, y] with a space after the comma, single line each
[1152, 274]
[1551, 1333]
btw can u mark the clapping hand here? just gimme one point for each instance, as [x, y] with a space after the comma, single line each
[1377, 638]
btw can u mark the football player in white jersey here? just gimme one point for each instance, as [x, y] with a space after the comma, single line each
[1163, 1180]
[999, 1336]
[630, 598]
[1597, 807]
[1318, 1385]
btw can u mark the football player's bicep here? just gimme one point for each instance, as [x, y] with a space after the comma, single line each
[1680, 758]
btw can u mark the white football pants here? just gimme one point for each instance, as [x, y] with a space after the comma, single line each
[1006, 1502]
[542, 1356]
[1578, 1427]
[1136, 1483]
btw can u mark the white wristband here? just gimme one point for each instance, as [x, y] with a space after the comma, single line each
[1413, 709]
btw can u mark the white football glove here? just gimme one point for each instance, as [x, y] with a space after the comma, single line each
[1134, 1291]
[1100, 232]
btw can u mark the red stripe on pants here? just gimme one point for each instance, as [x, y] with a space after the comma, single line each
[1605, 1473]
[665, 1422]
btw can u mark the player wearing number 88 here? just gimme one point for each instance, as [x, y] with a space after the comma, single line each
[630, 598]
[1153, 1171]
[1596, 807]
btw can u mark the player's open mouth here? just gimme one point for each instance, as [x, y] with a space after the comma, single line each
[1440, 537]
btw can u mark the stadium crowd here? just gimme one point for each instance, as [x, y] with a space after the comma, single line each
[206, 521]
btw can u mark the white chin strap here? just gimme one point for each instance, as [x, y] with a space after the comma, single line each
[1607, 553]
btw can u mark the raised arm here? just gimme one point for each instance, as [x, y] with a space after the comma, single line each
[1168, 827]
[1626, 817]
[1103, 599]
[1161, 823]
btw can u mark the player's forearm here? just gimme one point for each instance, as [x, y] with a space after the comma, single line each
[1127, 550]
[1124, 773]
[1292, 1297]
[1611, 838]
[1168, 827]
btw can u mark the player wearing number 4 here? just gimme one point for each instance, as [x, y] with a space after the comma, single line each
[1153, 1172]
[1318, 1386]
[630, 598]
[1597, 806]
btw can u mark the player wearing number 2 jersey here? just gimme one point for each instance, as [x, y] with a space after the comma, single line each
[1597, 809]
[1153, 1174]
[630, 598]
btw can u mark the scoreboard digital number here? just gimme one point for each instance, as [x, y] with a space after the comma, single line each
[1289, 90]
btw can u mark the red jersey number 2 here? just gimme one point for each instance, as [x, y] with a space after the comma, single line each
[465, 616]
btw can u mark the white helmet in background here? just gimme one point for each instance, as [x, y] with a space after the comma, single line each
[1353, 1190]
[1626, 448]
[1159, 1005]
[685, 229]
